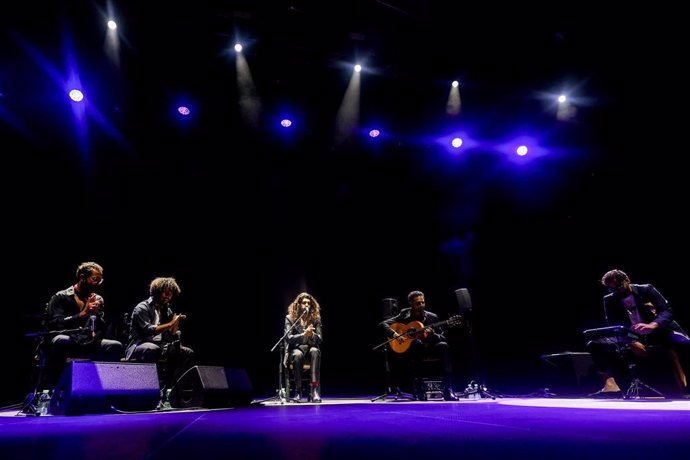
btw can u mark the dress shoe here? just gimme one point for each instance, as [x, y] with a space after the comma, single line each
[449, 395]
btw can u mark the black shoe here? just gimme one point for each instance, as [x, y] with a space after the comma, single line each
[449, 395]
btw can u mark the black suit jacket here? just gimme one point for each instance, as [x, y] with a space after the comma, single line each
[405, 316]
[662, 313]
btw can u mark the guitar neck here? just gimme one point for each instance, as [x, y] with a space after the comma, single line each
[439, 323]
[449, 322]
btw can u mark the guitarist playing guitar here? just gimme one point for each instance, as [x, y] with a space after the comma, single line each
[416, 341]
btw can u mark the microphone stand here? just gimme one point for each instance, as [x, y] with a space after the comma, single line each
[281, 393]
[409, 333]
[397, 395]
[475, 389]
[42, 334]
[29, 406]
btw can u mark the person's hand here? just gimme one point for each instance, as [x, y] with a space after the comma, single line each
[645, 328]
[176, 319]
[638, 349]
[92, 305]
[309, 331]
[175, 322]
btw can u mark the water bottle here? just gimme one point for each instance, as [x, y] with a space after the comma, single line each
[43, 403]
[472, 390]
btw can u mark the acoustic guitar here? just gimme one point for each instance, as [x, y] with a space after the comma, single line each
[416, 330]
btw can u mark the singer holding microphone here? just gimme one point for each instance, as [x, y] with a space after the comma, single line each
[303, 320]
[77, 316]
[155, 335]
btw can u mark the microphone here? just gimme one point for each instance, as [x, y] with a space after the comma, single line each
[93, 325]
[177, 341]
[306, 310]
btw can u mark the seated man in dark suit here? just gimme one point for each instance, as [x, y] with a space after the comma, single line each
[78, 314]
[649, 317]
[428, 342]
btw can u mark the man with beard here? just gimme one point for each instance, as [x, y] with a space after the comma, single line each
[77, 316]
[651, 323]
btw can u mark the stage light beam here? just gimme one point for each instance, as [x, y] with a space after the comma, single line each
[347, 117]
[249, 100]
[453, 106]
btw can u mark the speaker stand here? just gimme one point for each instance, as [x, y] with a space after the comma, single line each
[281, 395]
[391, 394]
[475, 389]
[637, 384]
[30, 405]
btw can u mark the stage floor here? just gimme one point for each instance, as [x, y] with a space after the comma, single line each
[352, 428]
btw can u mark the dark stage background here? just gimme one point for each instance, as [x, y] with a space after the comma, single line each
[246, 219]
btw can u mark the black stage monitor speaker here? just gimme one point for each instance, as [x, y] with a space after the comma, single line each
[571, 373]
[464, 301]
[389, 307]
[90, 387]
[212, 387]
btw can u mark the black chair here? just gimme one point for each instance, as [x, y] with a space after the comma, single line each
[424, 378]
[289, 386]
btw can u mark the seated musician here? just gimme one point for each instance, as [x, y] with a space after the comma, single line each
[649, 317]
[155, 334]
[429, 342]
[304, 335]
[78, 314]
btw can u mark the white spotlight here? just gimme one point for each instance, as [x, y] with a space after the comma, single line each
[238, 48]
[457, 142]
[76, 95]
[562, 98]
[358, 68]
[112, 25]
[455, 83]
[522, 150]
